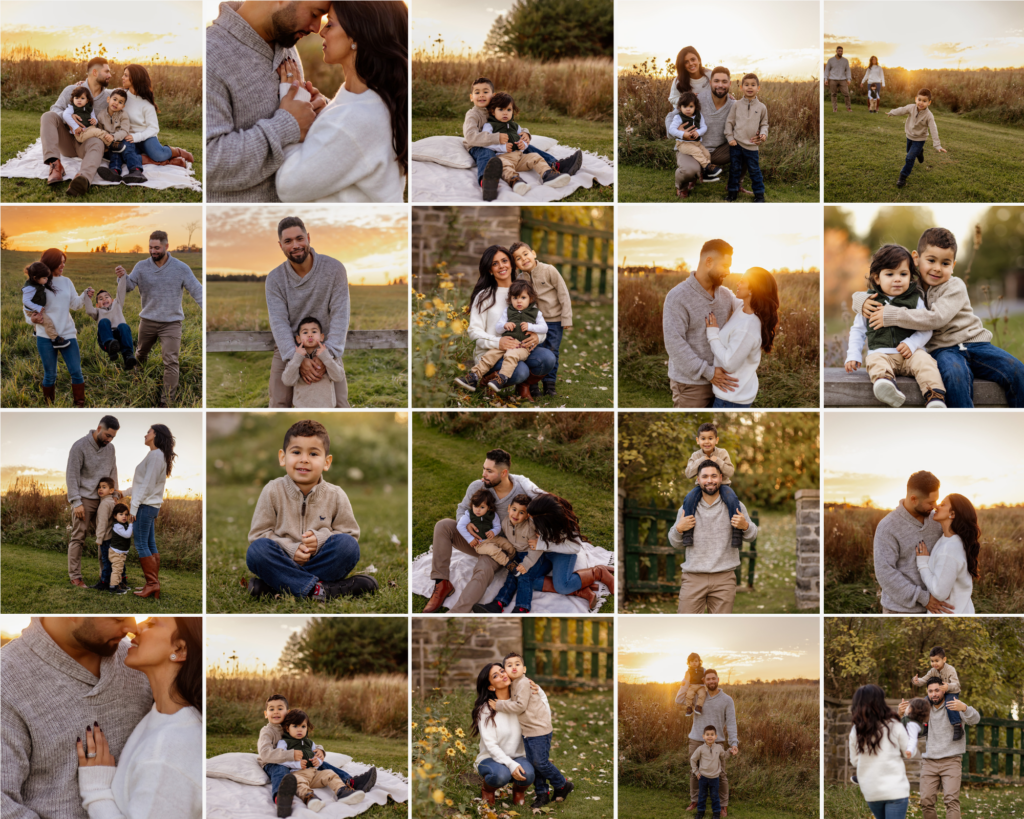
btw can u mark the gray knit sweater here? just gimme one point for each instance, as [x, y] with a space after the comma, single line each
[896, 539]
[712, 538]
[322, 293]
[246, 131]
[64, 100]
[160, 288]
[87, 463]
[940, 743]
[719, 711]
[521, 485]
[715, 120]
[690, 359]
[47, 701]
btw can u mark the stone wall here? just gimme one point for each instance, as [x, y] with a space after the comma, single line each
[474, 641]
[479, 227]
[836, 749]
[808, 549]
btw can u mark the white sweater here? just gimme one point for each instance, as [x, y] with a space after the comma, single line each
[161, 766]
[148, 481]
[346, 156]
[142, 116]
[883, 775]
[874, 74]
[859, 335]
[59, 306]
[945, 574]
[737, 349]
[501, 740]
[696, 86]
[482, 324]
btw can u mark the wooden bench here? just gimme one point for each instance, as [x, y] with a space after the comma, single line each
[843, 389]
[262, 341]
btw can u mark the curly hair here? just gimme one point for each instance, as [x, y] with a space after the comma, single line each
[519, 287]
[165, 442]
[890, 257]
[764, 301]
[871, 717]
[502, 100]
[296, 717]
[483, 497]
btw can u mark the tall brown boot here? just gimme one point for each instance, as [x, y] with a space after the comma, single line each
[584, 591]
[151, 569]
[176, 160]
[78, 394]
[49, 394]
[524, 388]
[597, 574]
[176, 152]
[487, 794]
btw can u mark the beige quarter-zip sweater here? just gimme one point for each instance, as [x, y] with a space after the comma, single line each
[532, 708]
[747, 118]
[919, 123]
[552, 293]
[283, 514]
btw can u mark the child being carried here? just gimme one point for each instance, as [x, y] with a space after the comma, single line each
[688, 121]
[309, 340]
[945, 673]
[692, 691]
[707, 441]
[33, 299]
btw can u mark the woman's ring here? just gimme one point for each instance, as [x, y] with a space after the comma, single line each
[90, 756]
[289, 74]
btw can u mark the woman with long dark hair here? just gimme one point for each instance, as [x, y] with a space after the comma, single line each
[161, 763]
[357, 149]
[690, 74]
[750, 331]
[502, 756]
[878, 742]
[950, 567]
[487, 301]
[142, 112]
[147, 495]
[875, 78]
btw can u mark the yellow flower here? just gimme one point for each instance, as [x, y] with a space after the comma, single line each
[450, 752]
[458, 325]
[438, 796]
[420, 296]
[460, 746]
[463, 368]
[416, 725]
[431, 370]
[459, 732]
[428, 765]
[438, 303]
[446, 286]
[449, 802]
[442, 324]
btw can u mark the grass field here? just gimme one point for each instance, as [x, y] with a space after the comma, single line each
[107, 384]
[865, 152]
[990, 801]
[642, 184]
[671, 804]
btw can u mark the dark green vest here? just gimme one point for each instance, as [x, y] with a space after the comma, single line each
[509, 129]
[305, 745]
[529, 315]
[84, 113]
[892, 336]
[119, 542]
[483, 524]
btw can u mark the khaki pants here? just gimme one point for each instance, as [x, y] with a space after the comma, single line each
[47, 324]
[168, 333]
[723, 780]
[116, 566]
[694, 149]
[498, 549]
[513, 163]
[691, 396]
[695, 695]
[687, 169]
[58, 141]
[842, 87]
[90, 132]
[714, 591]
[446, 538]
[508, 366]
[920, 365]
[281, 393]
[944, 775]
[79, 531]
[310, 778]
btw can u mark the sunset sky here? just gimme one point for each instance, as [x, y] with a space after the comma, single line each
[654, 649]
[944, 34]
[42, 453]
[372, 242]
[957, 217]
[772, 39]
[863, 457]
[172, 30]
[462, 23]
[258, 641]
[773, 238]
[82, 227]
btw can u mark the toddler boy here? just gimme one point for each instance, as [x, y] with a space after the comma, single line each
[708, 450]
[120, 544]
[920, 122]
[945, 673]
[483, 514]
[112, 331]
[706, 765]
[106, 490]
[693, 692]
[309, 340]
[746, 129]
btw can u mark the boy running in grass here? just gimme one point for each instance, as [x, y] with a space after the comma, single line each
[920, 123]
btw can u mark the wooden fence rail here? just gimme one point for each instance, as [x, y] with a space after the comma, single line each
[571, 264]
[547, 658]
[262, 341]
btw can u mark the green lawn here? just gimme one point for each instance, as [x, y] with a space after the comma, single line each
[37, 580]
[865, 152]
[651, 803]
[594, 137]
[382, 545]
[990, 802]
[774, 575]
[21, 129]
[642, 184]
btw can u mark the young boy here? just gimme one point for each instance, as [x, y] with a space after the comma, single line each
[746, 129]
[706, 764]
[309, 340]
[120, 149]
[554, 302]
[920, 122]
[519, 532]
[708, 450]
[112, 331]
[274, 761]
[304, 535]
[535, 720]
[106, 489]
[945, 673]
[500, 112]
[484, 516]
[476, 141]
[120, 545]
[960, 344]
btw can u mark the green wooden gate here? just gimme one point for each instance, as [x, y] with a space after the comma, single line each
[661, 574]
[569, 652]
[1006, 739]
[537, 233]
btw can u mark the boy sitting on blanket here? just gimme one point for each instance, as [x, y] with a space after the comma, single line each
[283, 784]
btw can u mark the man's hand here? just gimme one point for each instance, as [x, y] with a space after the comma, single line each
[724, 381]
[852, 366]
[471, 528]
[311, 370]
[734, 750]
[904, 705]
[904, 350]
[956, 705]
[79, 512]
[740, 522]
[503, 139]
[686, 523]
[316, 99]
[936, 606]
[120, 271]
[77, 119]
[301, 111]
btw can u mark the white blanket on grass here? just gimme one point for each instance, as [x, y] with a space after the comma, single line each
[231, 800]
[430, 182]
[460, 570]
[29, 165]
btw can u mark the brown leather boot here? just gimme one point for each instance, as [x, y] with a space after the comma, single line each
[49, 394]
[151, 569]
[597, 574]
[443, 589]
[519, 794]
[79, 186]
[524, 389]
[56, 173]
[78, 394]
[181, 152]
[177, 160]
[585, 591]
[487, 794]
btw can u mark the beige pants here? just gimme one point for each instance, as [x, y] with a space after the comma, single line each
[498, 549]
[694, 149]
[687, 171]
[310, 778]
[79, 530]
[691, 396]
[446, 538]
[513, 163]
[281, 393]
[47, 323]
[90, 132]
[508, 366]
[714, 591]
[944, 775]
[116, 566]
[920, 365]
[695, 695]
[168, 333]
[842, 87]
[723, 780]
[58, 141]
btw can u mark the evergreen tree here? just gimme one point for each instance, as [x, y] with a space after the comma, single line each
[348, 646]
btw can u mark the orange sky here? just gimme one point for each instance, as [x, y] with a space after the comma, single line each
[82, 227]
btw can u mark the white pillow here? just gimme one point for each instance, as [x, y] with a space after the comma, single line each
[542, 143]
[443, 150]
[246, 770]
[338, 760]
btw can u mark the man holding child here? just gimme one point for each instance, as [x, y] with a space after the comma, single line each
[718, 713]
[91, 459]
[715, 106]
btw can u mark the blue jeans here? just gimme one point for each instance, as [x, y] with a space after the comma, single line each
[332, 562]
[708, 787]
[721, 403]
[538, 751]
[552, 342]
[154, 150]
[485, 155]
[496, 775]
[739, 159]
[105, 567]
[561, 566]
[980, 359]
[279, 772]
[954, 716]
[890, 808]
[129, 158]
[123, 332]
[508, 591]
[540, 362]
[732, 503]
[144, 531]
[72, 360]
[914, 150]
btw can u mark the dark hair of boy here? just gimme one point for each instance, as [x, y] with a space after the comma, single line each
[750, 77]
[36, 271]
[119, 508]
[95, 61]
[719, 246]
[289, 222]
[510, 655]
[693, 654]
[110, 422]
[119, 92]
[108, 481]
[924, 92]
[482, 80]
[890, 257]
[159, 235]
[937, 237]
[81, 91]
[922, 483]
[520, 286]
[689, 98]
[483, 497]
[522, 499]
[711, 728]
[309, 320]
[707, 463]
[500, 458]
[937, 652]
[502, 100]
[707, 427]
[101, 292]
[296, 717]
[276, 697]
[516, 245]
[308, 429]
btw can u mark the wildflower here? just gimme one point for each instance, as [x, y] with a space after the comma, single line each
[446, 285]
[459, 325]
[463, 368]
[438, 796]
[415, 725]
[450, 752]
[431, 370]
[458, 731]
[442, 324]
[420, 296]
[438, 303]
[460, 746]
[449, 802]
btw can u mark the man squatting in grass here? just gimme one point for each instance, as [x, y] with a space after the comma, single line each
[303, 539]
[477, 142]
[838, 77]
[91, 459]
[715, 107]
[720, 711]
[920, 123]
[160, 280]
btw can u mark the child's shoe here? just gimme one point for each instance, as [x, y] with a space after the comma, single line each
[468, 381]
[562, 792]
[700, 814]
[113, 348]
[737, 538]
[902, 181]
[59, 343]
[888, 393]
[570, 165]
[935, 400]
[689, 711]
[731, 197]
[713, 171]
[854, 779]
[313, 802]
[498, 382]
[920, 157]
[958, 733]
[135, 177]
[490, 180]
[115, 590]
[550, 388]
[116, 147]
[698, 710]
[108, 174]
[759, 197]
[285, 793]
[555, 179]
[131, 362]
[518, 185]
[350, 796]
[520, 610]
[541, 800]
[365, 782]
[494, 607]
[687, 538]
[257, 588]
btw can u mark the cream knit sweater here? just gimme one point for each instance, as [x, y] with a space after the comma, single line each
[283, 514]
[882, 776]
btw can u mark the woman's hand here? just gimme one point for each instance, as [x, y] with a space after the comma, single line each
[288, 71]
[530, 341]
[711, 321]
[519, 773]
[922, 549]
[508, 343]
[96, 751]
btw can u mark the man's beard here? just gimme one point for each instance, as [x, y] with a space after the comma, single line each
[301, 259]
[101, 442]
[710, 490]
[102, 83]
[721, 94]
[85, 636]
[158, 257]
[711, 686]
[489, 483]
[285, 34]
[717, 277]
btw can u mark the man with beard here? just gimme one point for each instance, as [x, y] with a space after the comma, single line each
[90, 460]
[160, 280]
[715, 104]
[247, 125]
[942, 760]
[896, 539]
[503, 486]
[306, 284]
[838, 78]
[720, 712]
[691, 364]
[708, 569]
[58, 140]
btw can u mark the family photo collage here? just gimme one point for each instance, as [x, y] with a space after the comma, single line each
[566, 409]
